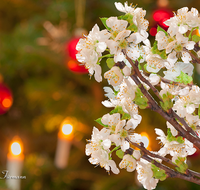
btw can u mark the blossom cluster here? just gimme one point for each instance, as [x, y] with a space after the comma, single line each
[167, 64]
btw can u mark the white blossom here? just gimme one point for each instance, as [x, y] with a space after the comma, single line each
[145, 175]
[114, 76]
[128, 162]
[90, 49]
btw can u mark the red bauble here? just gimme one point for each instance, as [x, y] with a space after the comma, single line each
[160, 16]
[71, 51]
[71, 48]
[5, 99]
[75, 66]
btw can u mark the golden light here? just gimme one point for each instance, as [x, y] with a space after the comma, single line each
[145, 140]
[16, 148]
[7, 103]
[67, 129]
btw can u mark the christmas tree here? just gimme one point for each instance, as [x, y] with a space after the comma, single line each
[44, 85]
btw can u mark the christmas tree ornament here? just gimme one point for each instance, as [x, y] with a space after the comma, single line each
[5, 99]
[74, 66]
[79, 32]
[160, 15]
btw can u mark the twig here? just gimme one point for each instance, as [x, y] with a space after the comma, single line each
[155, 107]
[144, 150]
[176, 83]
[147, 155]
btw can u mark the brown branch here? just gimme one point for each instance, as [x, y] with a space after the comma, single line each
[144, 150]
[138, 73]
[175, 83]
[147, 155]
[171, 173]
[155, 107]
[182, 120]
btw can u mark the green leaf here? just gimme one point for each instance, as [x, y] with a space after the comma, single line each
[129, 18]
[170, 137]
[167, 101]
[140, 99]
[99, 122]
[161, 29]
[184, 78]
[110, 62]
[195, 38]
[120, 153]
[118, 109]
[155, 50]
[158, 173]
[103, 20]
[182, 166]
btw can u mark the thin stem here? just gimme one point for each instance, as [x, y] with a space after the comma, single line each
[155, 107]
[176, 83]
[147, 155]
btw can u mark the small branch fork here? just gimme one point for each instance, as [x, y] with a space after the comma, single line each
[147, 155]
[153, 105]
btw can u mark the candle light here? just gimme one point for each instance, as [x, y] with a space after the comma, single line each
[15, 159]
[145, 140]
[65, 137]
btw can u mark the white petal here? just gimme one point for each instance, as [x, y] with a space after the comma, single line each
[125, 146]
[171, 59]
[97, 74]
[105, 119]
[183, 28]
[107, 104]
[190, 45]
[119, 56]
[101, 47]
[186, 57]
[159, 132]
[113, 166]
[136, 154]
[154, 79]
[190, 108]
[120, 7]
[127, 71]
[135, 138]
[106, 144]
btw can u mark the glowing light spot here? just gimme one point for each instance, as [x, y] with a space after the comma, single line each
[67, 129]
[145, 139]
[7, 103]
[153, 31]
[16, 148]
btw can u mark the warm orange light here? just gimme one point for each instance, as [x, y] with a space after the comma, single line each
[16, 148]
[7, 103]
[145, 139]
[67, 129]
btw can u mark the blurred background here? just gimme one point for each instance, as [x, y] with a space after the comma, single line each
[42, 86]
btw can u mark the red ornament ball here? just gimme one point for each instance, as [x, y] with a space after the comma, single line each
[5, 99]
[75, 66]
[161, 15]
[71, 47]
